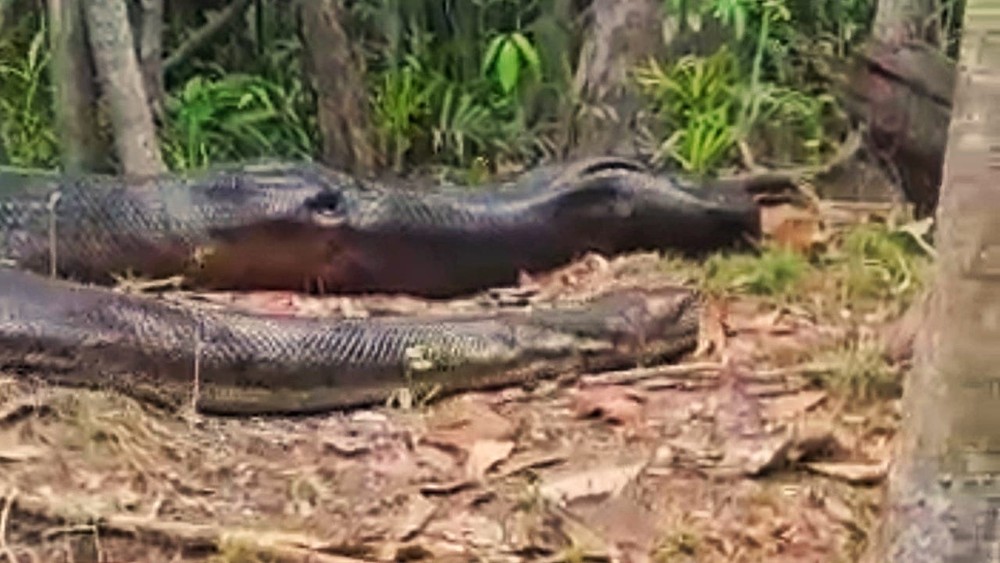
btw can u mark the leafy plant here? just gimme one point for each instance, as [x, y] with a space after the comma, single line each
[231, 117]
[879, 262]
[506, 58]
[468, 84]
[775, 272]
[695, 99]
[859, 371]
[27, 123]
[400, 103]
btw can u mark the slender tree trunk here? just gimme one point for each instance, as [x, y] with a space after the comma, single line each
[75, 95]
[151, 52]
[943, 493]
[117, 65]
[897, 21]
[338, 80]
[622, 33]
[6, 8]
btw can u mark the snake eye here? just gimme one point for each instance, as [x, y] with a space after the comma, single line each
[326, 205]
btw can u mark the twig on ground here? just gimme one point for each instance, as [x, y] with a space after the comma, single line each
[129, 284]
[699, 371]
[295, 547]
[203, 35]
[692, 371]
[4, 520]
[848, 149]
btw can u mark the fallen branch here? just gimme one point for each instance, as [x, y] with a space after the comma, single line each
[204, 35]
[692, 371]
[279, 545]
[763, 177]
[700, 371]
[5, 549]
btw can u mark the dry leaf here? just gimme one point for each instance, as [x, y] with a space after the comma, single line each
[347, 446]
[415, 515]
[612, 403]
[791, 406]
[854, 473]
[712, 329]
[460, 423]
[792, 227]
[484, 454]
[755, 455]
[603, 481]
[21, 453]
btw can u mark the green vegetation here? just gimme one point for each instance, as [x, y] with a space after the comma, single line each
[473, 87]
[27, 134]
[859, 371]
[869, 264]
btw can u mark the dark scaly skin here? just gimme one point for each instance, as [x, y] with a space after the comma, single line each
[303, 228]
[72, 334]
[307, 228]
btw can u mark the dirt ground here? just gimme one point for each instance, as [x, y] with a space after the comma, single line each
[736, 454]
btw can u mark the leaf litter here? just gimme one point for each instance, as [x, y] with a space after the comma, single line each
[740, 453]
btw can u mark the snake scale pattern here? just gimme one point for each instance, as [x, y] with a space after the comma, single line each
[305, 228]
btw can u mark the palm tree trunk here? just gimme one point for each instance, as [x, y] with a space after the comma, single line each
[943, 492]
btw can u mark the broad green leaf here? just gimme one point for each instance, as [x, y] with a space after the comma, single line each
[528, 53]
[508, 66]
[492, 51]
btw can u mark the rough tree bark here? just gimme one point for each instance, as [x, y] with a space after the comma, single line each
[113, 50]
[338, 79]
[943, 491]
[621, 34]
[897, 21]
[151, 52]
[75, 94]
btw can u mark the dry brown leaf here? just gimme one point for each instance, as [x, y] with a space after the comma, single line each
[416, 513]
[460, 423]
[754, 455]
[23, 452]
[791, 406]
[598, 482]
[792, 227]
[712, 330]
[347, 446]
[853, 473]
[612, 403]
[484, 455]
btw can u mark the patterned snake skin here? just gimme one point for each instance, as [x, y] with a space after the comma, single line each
[228, 362]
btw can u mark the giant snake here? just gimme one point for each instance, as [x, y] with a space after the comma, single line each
[306, 228]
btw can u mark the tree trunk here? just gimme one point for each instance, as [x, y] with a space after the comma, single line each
[337, 78]
[898, 21]
[151, 52]
[75, 95]
[943, 491]
[117, 65]
[621, 34]
[6, 8]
